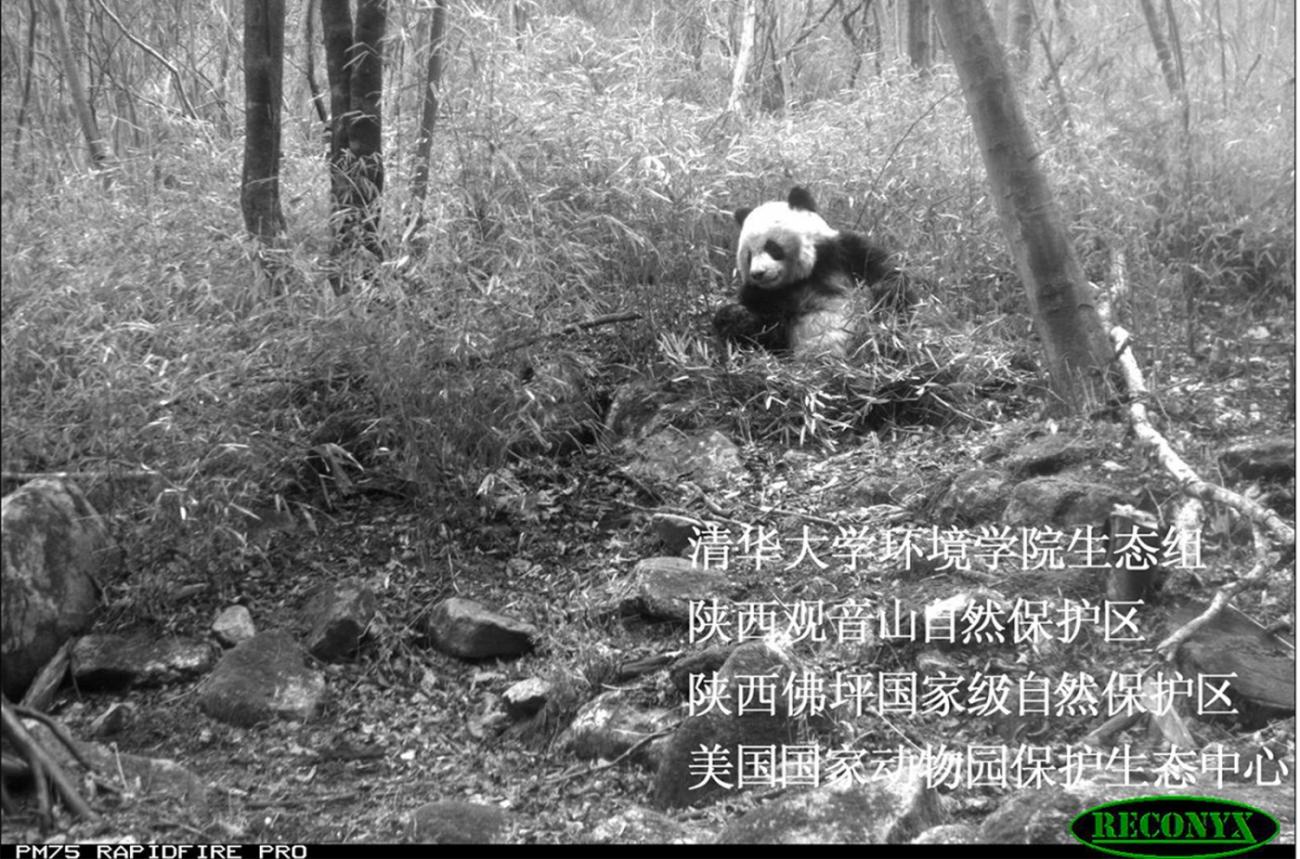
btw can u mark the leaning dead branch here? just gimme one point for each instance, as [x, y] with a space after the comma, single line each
[1190, 483]
[1263, 520]
[1256, 577]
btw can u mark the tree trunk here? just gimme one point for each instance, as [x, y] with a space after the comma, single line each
[744, 57]
[1163, 53]
[857, 35]
[355, 66]
[101, 153]
[918, 34]
[29, 69]
[1022, 33]
[364, 136]
[519, 18]
[309, 37]
[1078, 350]
[336, 33]
[263, 82]
[428, 113]
[1001, 12]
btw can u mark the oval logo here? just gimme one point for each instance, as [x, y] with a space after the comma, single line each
[1160, 826]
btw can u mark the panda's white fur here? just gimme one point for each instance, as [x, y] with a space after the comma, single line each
[794, 230]
[797, 279]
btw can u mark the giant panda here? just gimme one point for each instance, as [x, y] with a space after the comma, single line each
[798, 277]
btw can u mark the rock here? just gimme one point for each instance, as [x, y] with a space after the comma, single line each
[932, 662]
[666, 587]
[1271, 459]
[708, 661]
[676, 782]
[641, 825]
[871, 490]
[1060, 502]
[889, 810]
[675, 532]
[458, 822]
[262, 679]
[524, 699]
[337, 617]
[975, 496]
[234, 625]
[669, 456]
[54, 547]
[1050, 454]
[875, 489]
[612, 723]
[120, 661]
[948, 833]
[467, 629]
[1262, 684]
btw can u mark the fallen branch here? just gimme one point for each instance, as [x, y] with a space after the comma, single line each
[1254, 578]
[45, 770]
[589, 770]
[1262, 518]
[1188, 480]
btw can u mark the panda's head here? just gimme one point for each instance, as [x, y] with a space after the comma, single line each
[778, 241]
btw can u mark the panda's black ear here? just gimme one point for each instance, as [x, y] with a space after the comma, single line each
[742, 213]
[801, 199]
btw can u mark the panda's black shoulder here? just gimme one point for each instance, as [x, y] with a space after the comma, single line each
[852, 254]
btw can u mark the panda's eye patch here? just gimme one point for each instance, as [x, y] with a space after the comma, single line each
[774, 250]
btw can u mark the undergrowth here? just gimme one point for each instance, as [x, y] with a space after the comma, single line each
[580, 175]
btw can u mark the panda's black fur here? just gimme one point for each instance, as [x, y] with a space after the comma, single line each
[799, 278]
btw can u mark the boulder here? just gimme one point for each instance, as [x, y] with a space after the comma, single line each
[55, 548]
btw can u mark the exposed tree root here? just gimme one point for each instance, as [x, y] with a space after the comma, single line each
[44, 769]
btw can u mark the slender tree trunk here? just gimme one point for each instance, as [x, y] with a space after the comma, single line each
[857, 36]
[744, 57]
[1163, 52]
[1001, 11]
[101, 153]
[428, 113]
[263, 84]
[918, 34]
[1061, 108]
[1223, 52]
[336, 31]
[309, 71]
[29, 69]
[355, 64]
[1022, 34]
[367, 61]
[1078, 350]
[519, 18]
[1169, 55]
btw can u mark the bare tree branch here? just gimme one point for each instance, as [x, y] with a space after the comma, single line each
[148, 49]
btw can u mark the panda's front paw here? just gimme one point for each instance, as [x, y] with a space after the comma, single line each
[735, 323]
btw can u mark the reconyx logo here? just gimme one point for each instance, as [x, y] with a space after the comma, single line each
[1160, 826]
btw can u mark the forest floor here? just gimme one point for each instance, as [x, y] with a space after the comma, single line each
[405, 724]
